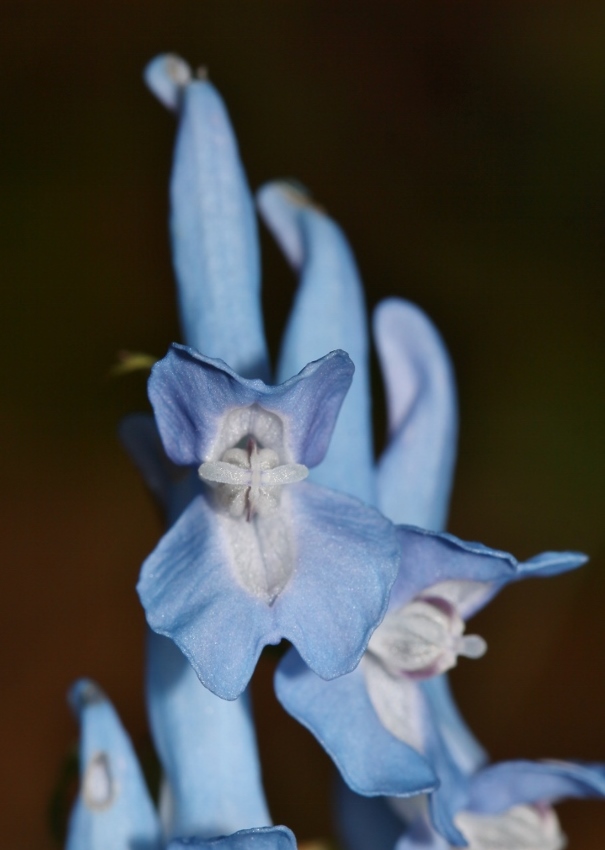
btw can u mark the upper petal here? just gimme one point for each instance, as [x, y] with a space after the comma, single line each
[339, 713]
[207, 748]
[329, 312]
[414, 475]
[113, 807]
[507, 784]
[214, 233]
[266, 838]
[193, 394]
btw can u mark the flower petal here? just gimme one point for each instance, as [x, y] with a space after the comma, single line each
[414, 475]
[207, 748]
[191, 594]
[365, 823]
[329, 312]
[266, 838]
[113, 807]
[339, 713]
[347, 559]
[507, 784]
[214, 232]
[191, 395]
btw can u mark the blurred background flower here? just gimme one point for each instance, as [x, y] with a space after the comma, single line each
[461, 147]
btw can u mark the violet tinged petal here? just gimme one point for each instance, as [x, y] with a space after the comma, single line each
[339, 713]
[192, 396]
[329, 312]
[207, 748]
[414, 475]
[507, 784]
[347, 559]
[191, 594]
[266, 838]
[365, 823]
[113, 807]
[214, 232]
[171, 485]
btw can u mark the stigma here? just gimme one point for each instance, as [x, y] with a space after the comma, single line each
[248, 480]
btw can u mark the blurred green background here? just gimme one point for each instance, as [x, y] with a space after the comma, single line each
[462, 147]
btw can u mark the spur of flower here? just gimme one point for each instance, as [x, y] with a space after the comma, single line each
[260, 554]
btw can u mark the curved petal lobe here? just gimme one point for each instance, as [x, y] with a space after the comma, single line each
[414, 475]
[329, 312]
[268, 838]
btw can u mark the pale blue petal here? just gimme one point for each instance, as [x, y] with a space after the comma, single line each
[347, 558]
[429, 558]
[463, 747]
[213, 225]
[329, 312]
[191, 595]
[414, 475]
[339, 713]
[365, 823]
[513, 783]
[191, 394]
[207, 748]
[422, 837]
[268, 838]
[173, 486]
[113, 807]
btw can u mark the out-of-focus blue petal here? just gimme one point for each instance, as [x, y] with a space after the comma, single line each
[267, 838]
[191, 394]
[329, 312]
[113, 807]
[346, 560]
[507, 784]
[429, 558]
[206, 746]
[464, 748]
[214, 233]
[365, 823]
[173, 486]
[339, 713]
[414, 475]
[422, 837]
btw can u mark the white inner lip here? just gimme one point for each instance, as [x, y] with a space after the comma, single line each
[518, 828]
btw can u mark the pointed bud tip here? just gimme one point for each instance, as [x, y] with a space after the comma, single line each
[166, 76]
[83, 693]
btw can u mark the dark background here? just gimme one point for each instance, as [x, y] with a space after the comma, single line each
[462, 147]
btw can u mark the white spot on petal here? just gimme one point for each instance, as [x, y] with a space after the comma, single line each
[97, 784]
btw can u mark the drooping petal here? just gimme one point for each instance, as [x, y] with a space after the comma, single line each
[202, 585]
[113, 807]
[339, 713]
[207, 748]
[329, 312]
[365, 823]
[414, 475]
[268, 838]
[192, 396]
[501, 786]
[429, 558]
[173, 486]
[214, 232]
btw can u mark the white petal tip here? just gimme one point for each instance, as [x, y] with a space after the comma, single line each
[166, 76]
[472, 646]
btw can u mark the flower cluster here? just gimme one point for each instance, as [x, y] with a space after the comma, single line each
[280, 525]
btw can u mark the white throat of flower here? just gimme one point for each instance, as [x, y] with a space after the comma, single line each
[519, 828]
[423, 638]
[250, 480]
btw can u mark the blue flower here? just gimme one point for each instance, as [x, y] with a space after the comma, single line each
[260, 556]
